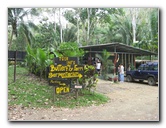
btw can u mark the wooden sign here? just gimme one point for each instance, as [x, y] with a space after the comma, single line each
[65, 60]
[62, 71]
[59, 82]
[62, 89]
[65, 68]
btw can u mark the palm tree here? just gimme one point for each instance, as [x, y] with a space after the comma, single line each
[14, 16]
[18, 26]
[69, 34]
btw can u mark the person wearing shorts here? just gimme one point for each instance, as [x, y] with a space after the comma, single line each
[98, 66]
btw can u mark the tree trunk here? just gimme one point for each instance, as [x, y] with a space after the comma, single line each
[78, 31]
[60, 25]
[54, 20]
[134, 29]
[10, 42]
[134, 12]
[88, 11]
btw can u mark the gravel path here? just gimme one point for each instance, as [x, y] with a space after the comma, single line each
[128, 102]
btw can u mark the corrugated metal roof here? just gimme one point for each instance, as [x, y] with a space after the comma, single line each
[118, 48]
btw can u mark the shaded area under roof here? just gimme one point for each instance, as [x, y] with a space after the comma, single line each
[117, 48]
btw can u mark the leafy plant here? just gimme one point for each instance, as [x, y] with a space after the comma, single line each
[89, 80]
[28, 91]
[107, 64]
[70, 49]
[30, 58]
[41, 61]
[37, 60]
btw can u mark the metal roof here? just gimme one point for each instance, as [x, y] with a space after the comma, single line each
[117, 48]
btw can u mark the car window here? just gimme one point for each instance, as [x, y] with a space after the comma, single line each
[156, 67]
[141, 67]
[146, 67]
[153, 67]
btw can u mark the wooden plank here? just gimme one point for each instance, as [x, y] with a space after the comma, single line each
[15, 62]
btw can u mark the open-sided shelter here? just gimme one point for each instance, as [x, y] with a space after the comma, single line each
[124, 53]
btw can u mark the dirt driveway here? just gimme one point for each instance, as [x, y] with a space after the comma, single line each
[128, 102]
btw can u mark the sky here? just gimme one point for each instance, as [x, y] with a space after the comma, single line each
[76, 3]
[51, 18]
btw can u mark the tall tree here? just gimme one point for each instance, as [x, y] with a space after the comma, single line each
[14, 16]
[134, 15]
[60, 23]
[147, 29]
[88, 29]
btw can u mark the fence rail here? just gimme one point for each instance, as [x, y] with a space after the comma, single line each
[16, 55]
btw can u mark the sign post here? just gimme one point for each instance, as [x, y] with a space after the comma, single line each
[54, 93]
[15, 62]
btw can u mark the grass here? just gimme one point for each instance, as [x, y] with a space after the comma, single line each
[29, 91]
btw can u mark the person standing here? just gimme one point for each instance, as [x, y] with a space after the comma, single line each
[121, 73]
[129, 68]
[119, 68]
[98, 66]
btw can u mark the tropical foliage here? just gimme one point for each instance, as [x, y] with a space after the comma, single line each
[41, 31]
[49, 27]
[27, 91]
[48, 32]
[39, 59]
[89, 81]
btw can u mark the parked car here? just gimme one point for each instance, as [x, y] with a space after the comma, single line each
[147, 71]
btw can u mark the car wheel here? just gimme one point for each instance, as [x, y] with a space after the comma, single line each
[129, 78]
[151, 81]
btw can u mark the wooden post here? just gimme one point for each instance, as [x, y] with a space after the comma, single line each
[15, 62]
[129, 59]
[125, 63]
[115, 59]
[150, 58]
[122, 59]
[134, 62]
[76, 94]
[90, 55]
[132, 59]
[53, 94]
[77, 90]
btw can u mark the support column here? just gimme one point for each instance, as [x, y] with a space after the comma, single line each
[150, 58]
[122, 59]
[134, 62]
[132, 59]
[115, 59]
[114, 49]
[125, 62]
[90, 57]
[129, 59]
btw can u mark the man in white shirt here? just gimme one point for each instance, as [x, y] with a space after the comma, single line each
[98, 66]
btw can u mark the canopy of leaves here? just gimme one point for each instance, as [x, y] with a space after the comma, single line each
[70, 49]
[85, 26]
